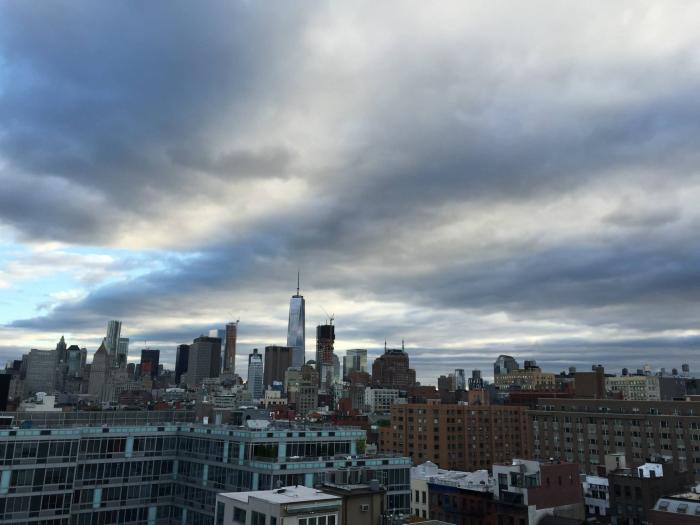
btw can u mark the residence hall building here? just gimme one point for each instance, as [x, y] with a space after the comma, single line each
[585, 430]
[158, 468]
[457, 437]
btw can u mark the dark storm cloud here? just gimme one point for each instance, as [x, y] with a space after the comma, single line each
[107, 118]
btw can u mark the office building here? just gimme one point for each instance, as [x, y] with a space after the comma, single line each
[182, 357]
[158, 467]
[504, 364]
[354, 360]
[230, 347]
[150, 358]
[458, 437]
[40, 372]
[295, 504]
[74, 361]
[204, 360]
[99, 370]
[5, 380]
[586, 430]
[325, 338]
[61, 348]
[255, 375]
[460, 379]
[114, 329]
[296, 329]
[476, 382]
[277, 360]
[635, 387]
[531, 378]
[391, 369]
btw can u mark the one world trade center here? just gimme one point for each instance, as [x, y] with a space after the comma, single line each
[296, 330]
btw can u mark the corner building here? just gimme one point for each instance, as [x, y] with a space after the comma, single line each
[167, 473]
[458, 437]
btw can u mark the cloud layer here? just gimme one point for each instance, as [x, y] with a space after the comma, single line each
[475, 179]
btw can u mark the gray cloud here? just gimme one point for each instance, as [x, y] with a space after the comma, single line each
[449, 168]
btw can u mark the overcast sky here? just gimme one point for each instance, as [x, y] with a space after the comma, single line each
[475, 178]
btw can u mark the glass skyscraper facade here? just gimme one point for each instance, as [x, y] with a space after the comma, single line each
[296, 330]
[165, 472]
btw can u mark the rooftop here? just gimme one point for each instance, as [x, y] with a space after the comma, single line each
[284, 495]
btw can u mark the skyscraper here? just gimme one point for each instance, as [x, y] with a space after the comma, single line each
[354, 360]
[504, 365]
[41, 371]
[61, 348]
[277, 360]
[255, 375]
[122, 351]
[182, 357]
[114, 330]
[460, 379]
[296, 329]
[204, 360]
[230, 347]
[391, 369]
[325, 337]
[149, 362]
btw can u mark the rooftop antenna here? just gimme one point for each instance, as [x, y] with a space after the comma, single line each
[298, 275]
[402, 346]
[384, 345]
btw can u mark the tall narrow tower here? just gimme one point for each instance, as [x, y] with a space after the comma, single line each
[296, 330]
[230, 347]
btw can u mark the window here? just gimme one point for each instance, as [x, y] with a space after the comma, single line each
[257, 518]
[239, 515]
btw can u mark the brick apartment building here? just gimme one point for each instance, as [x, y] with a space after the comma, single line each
[458, 437]
[585, 430]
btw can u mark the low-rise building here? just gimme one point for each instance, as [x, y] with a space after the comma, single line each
[596, 495]
[362, 503]
[294, 505]
[635, 388]
[545, 488]
[635, 491]
[678, 509]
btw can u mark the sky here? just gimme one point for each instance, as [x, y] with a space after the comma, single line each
[473, 178]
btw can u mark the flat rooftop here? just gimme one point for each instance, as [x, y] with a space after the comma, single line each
[283, 495]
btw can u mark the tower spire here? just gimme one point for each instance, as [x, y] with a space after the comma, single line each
[298, 274]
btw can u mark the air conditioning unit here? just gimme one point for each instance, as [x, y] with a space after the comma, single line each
[364, 508]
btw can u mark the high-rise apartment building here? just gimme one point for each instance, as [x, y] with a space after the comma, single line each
[41, 371]
[296, 329]
[586, 430]
[114, 329]
[354, 360]
[122, 351]
[391, 369]
[255, 375]
[458, 437]
[204, 360]
[230, 347]
[150, 358]
[182, 357]
[277, 360]
[325, 337]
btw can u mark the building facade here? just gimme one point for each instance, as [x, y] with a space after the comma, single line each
[296, 328]
[230, 347]
[204, 360]
[391, 370]
[586, 430]
[354, 360]
[277, 360]
[458, 437]
[255, 375]
[168, 472]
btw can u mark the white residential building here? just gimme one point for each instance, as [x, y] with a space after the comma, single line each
[297, 505]
[635, 388]
[596, 494]
[379, 400]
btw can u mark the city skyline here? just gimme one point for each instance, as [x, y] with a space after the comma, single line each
[475, 179]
